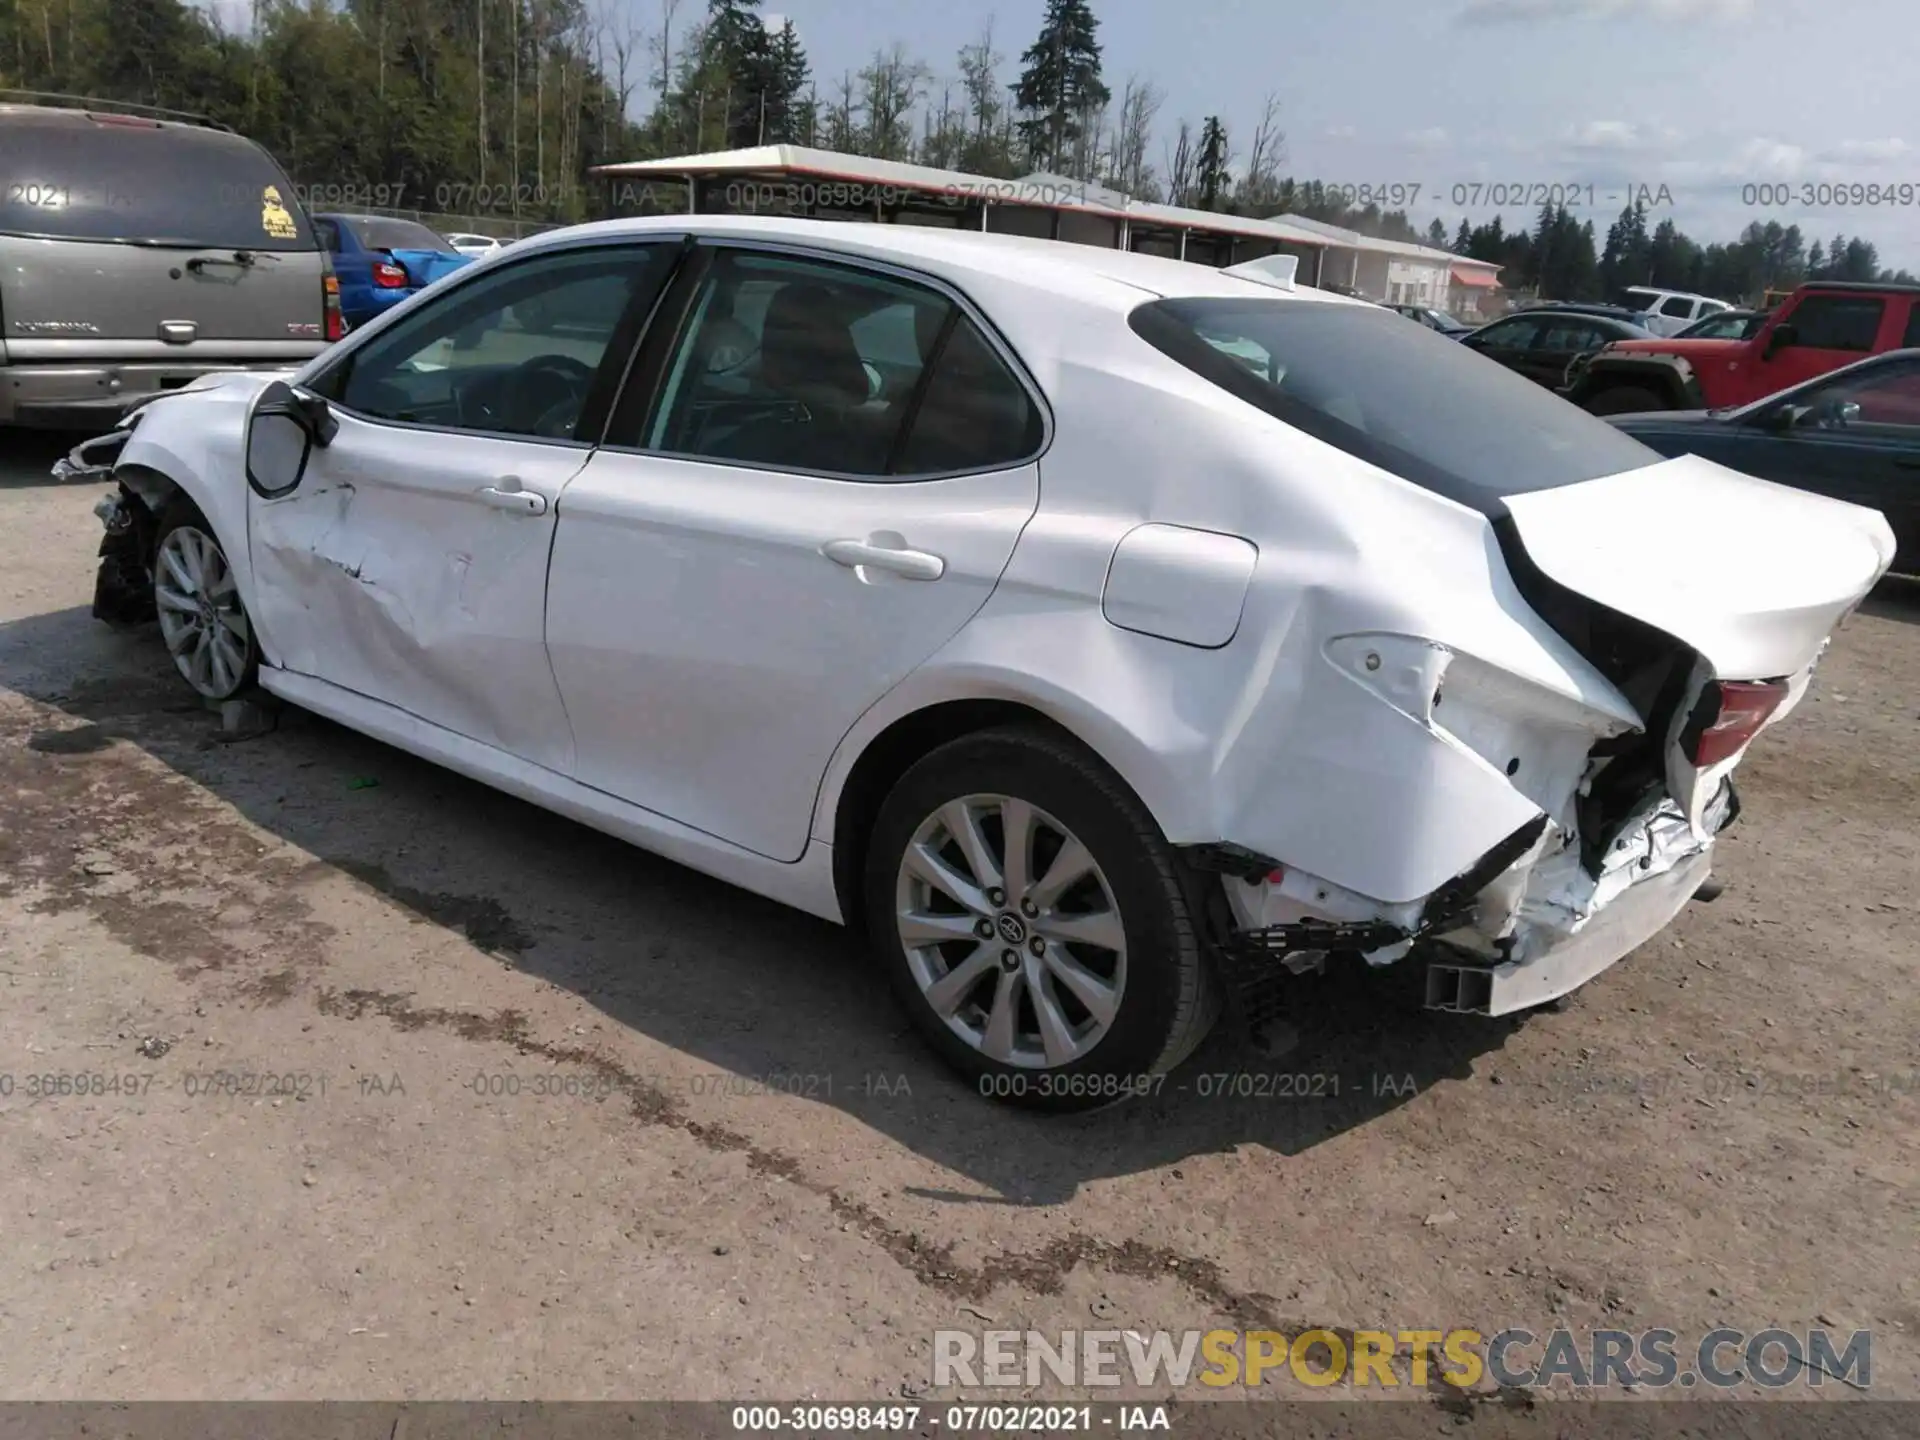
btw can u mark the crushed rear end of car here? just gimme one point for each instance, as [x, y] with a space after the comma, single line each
[1506, 740]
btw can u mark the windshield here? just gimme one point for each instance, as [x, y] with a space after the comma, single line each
[1411, 401]
[379, 232]
[143, 183]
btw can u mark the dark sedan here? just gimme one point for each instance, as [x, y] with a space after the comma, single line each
[1853, 434]
[1433, 319]
[1541, 343]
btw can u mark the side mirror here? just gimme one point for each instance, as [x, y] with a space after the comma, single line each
[1778, 339]
[280, 437]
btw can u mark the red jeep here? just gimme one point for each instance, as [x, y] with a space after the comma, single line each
[1819, 327]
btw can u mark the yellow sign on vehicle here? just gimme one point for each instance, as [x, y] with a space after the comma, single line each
[274, 217]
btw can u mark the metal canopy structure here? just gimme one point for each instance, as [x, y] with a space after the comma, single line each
[830, 185]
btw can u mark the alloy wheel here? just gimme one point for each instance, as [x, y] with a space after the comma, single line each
[1011, 931]
[201, 618]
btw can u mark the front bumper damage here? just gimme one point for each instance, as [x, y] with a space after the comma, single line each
[1525, 925]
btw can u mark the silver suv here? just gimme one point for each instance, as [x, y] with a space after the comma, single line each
[140, 250]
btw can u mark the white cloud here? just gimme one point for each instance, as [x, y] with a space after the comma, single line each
[1620, 136]
[1868, 152]
[1431, 138]
[1508, 12]
[1341, 132]
[772, 20]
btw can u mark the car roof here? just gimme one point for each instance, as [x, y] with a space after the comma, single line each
[1872, 287]
[56, 116]
[1117, 279]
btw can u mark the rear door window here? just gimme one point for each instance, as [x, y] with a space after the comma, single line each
[1410, 401]
[144, 182]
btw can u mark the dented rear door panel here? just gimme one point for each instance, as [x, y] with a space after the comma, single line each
[390, 572]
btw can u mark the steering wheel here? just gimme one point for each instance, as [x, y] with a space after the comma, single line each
[532, 406]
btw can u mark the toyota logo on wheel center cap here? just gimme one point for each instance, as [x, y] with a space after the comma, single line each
[1011, 929]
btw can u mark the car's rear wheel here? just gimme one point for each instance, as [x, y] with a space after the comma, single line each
[202, 618]
[1626, 400]
[1035, 923]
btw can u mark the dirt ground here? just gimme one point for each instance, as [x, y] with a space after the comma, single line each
[767, 1190]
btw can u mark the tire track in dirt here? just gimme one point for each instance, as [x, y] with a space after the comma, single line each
[146, 884]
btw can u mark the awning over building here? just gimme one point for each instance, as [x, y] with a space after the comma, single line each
[796, 179]
[1475, 278]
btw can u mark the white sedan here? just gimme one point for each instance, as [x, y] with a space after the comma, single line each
[1107, 638]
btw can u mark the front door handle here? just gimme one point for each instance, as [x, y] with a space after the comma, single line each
[895, 559]
[510, 495]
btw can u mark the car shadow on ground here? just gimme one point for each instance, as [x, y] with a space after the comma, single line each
[1895, 598]
[750, 988]
[27, 456]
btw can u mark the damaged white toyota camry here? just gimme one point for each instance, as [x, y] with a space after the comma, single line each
[1106, 637]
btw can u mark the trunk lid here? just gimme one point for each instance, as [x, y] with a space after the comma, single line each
[423, 267]
[1751, 575]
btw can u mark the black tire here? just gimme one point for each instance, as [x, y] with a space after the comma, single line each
[1626, 400]
[1170, 998]
[181, 513]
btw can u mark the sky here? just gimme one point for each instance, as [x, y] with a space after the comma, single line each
[1725, 111]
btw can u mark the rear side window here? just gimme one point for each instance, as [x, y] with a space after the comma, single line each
[1412, 402]
[380, 232]
[798, 364]
[1677, 305]
[973, 415]
[1912, 338]
[1837, 322]
[140, 182]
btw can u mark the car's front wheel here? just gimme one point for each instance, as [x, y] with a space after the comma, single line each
[202, 618]
[1034, 922]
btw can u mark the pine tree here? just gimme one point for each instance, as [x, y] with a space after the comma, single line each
[1060, 84]
[738, 47]
[1436, 236]
[1463, 238]
[790, 81]
[1210, 166]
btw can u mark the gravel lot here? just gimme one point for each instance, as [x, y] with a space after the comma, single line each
[1720, 1131]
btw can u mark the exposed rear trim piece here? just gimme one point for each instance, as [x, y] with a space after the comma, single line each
[1253, 962]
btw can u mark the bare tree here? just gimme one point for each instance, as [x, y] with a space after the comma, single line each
[1181, 161]
[843, 126]
[1127, 167]
[890, 87]
[1260, 185]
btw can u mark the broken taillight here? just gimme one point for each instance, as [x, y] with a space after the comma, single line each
[389, 277]
[1728, 716]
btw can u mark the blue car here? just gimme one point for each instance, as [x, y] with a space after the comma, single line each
[380, 261]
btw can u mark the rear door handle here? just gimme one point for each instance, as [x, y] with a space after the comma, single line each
[862, 555]
[510, 495]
